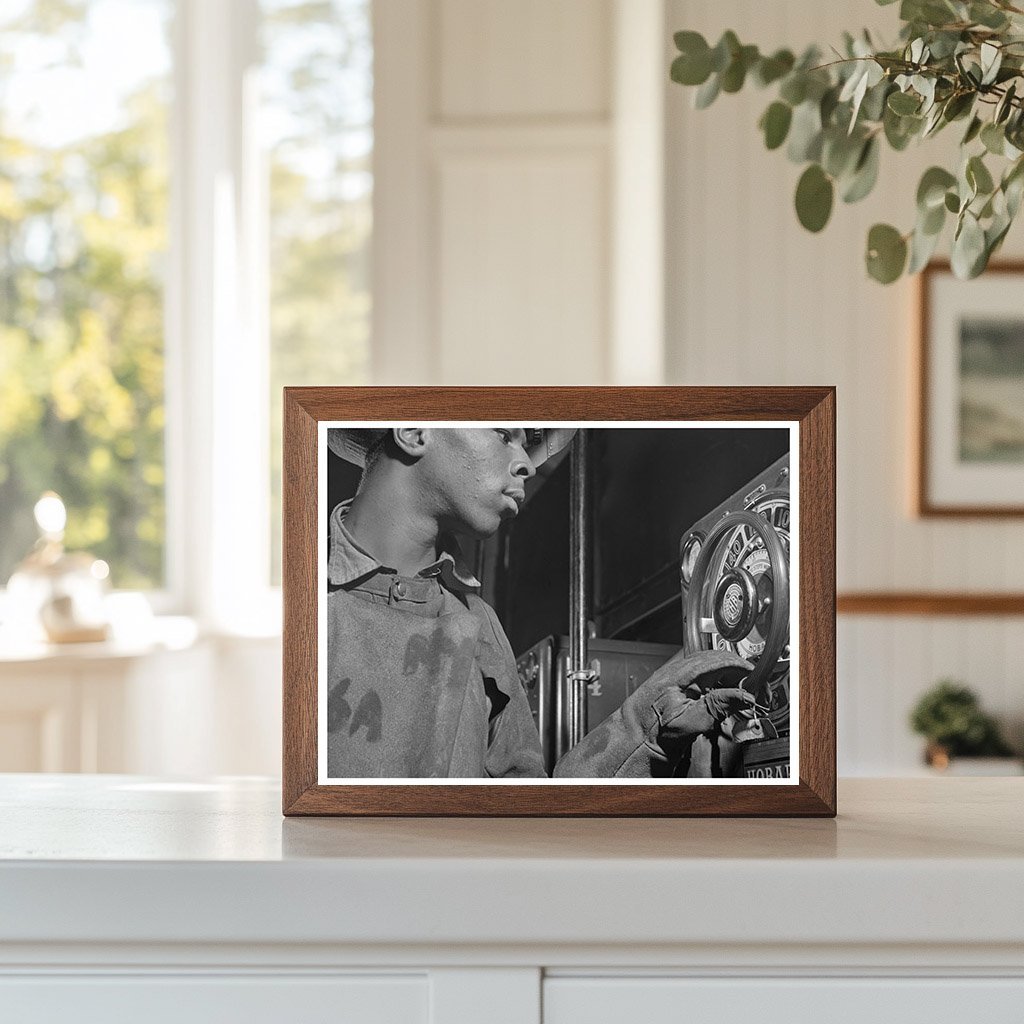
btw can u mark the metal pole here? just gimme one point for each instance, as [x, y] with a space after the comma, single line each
[579, 666]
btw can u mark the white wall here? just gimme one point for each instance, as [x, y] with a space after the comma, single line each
[752, 298]
[501, 138]
[513, 159]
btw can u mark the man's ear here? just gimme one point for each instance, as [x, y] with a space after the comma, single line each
[411, 440]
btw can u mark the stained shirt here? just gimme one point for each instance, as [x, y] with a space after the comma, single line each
[422, 681]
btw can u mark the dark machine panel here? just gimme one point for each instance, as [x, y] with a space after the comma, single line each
[648, 488]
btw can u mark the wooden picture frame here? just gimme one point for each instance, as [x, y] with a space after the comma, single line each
[962, 451]
[808, 412]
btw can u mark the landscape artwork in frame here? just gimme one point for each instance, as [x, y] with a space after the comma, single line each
[970, 450]
[562, 601]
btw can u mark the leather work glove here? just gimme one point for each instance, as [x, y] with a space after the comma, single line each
[646, 737]
[691, 695]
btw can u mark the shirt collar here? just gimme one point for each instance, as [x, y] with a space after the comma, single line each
[349, 562]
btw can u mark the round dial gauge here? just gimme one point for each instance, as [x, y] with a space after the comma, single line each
[738, 598]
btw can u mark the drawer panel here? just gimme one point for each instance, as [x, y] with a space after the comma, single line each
[202, 999]
[783, 1001]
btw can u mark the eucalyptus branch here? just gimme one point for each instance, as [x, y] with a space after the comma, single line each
[834, 116]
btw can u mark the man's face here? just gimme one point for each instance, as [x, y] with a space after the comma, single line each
[476, 476]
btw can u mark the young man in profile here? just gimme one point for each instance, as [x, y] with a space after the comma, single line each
[422, 682]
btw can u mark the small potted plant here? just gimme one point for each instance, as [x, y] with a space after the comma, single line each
[950, 718]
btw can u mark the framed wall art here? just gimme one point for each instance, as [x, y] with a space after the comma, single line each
[559, 601]
[970, 444]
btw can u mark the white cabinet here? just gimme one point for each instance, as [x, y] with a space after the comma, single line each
[174, 705]
[132, 898]
[99, 708]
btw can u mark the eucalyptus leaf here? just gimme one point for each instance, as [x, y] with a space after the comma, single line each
[973, 129]
[900, 130]
[1004, 106]
[904, 103]
[943, 44]
[775, 124]
[931, 190]
[953, 58]
[991, 60]
[724, 52]
[771, 69]
[1013, 187]
[814, 195]
[886, 253]
[873, 106]
[735, 74]
[840, 152]
[994, 236]
[932, 221]
[987, 15]
[794, 88]
[827, 106]
[993, 138]
[707, 93]
[934, 121]
[693, 65]
[1014, 191]
[931, 12]
[968, 247]
[865, 174]
[805, 133]
[922, 248]
[958, 105]
[978, 176]
[925, 88]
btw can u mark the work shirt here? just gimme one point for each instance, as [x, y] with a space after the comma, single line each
[422, 682]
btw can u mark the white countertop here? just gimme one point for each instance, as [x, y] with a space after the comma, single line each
[124, 859]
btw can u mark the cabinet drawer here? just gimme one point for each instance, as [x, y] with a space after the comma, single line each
[202, 999]
[626, 1000]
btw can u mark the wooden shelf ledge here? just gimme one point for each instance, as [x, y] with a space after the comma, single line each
[928, 603]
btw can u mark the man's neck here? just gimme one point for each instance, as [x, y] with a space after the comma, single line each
[388, 521]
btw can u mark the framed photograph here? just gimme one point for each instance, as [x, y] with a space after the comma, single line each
[559, 601]
[970, 450]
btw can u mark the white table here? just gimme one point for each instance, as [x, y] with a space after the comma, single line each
[198, 902]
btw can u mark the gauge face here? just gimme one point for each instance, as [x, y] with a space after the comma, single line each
[688, 558]
[736, 602]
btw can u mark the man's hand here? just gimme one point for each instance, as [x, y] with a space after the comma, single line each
[691, 694]
[650, 732]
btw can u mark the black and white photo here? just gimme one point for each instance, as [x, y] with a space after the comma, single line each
[560, 602]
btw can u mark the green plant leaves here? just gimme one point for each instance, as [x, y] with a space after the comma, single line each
[955, 60]
[986, 15]
[775, 122]
[814, 195]
[771, 69]
[904, 103]
[865, 173]
[805, 133]
[887, 253]
[969, 254]
[978, 176]
[931, 191]
[993, 138]
[693, 65]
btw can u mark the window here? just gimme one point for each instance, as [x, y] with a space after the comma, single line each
[185, 220]
[83, 237]
[317, 123]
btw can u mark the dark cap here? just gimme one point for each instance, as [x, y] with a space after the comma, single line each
[352, 443]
